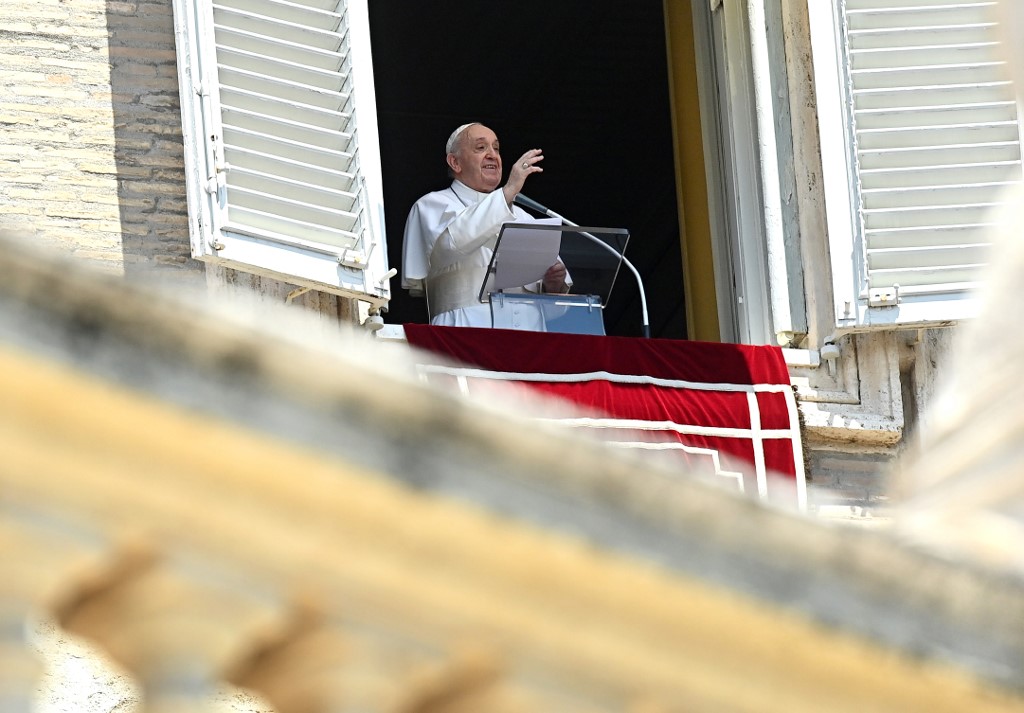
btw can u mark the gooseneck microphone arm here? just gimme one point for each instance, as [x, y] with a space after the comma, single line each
[534, 205]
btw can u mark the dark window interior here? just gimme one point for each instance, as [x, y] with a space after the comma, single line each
[585, 81]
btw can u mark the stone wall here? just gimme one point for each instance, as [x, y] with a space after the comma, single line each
[92, 155]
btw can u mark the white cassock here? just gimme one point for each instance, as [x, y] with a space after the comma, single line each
[449, 239]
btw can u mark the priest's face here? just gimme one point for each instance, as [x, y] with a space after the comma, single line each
[476, 160]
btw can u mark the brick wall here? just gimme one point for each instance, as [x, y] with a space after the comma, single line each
[92, 157]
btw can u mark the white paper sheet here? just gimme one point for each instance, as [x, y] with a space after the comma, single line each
[524, 255]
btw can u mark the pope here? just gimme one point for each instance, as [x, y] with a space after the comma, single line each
[450, 234]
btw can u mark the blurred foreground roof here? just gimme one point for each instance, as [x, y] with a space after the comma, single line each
[197, 478]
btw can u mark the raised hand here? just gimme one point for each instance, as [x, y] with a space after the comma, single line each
[521, 170]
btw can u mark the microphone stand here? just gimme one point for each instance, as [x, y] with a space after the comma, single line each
[534, 205]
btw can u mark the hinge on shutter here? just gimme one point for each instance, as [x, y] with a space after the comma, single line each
[357, 258]
[221, 167]
[884, 296]
[352, 258]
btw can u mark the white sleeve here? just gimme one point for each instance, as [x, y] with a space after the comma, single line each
[417, 244]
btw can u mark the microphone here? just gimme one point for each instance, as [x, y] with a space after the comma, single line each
[522, 200]
[534, 205]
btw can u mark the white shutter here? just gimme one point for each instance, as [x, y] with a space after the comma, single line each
[933, 138]
[281, 143]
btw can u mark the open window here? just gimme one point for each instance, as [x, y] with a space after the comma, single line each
[919, 135]
[281, 148]
[746, 122]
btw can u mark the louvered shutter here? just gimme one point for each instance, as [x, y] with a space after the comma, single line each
[281, 143]
[932, 139]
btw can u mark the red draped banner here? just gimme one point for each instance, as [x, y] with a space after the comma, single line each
[726, 406]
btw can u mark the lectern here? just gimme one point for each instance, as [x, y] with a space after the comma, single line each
[522, 254]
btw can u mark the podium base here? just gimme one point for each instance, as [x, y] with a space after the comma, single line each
[566, 314]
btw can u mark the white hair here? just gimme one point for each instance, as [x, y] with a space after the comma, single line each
[454, 138]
